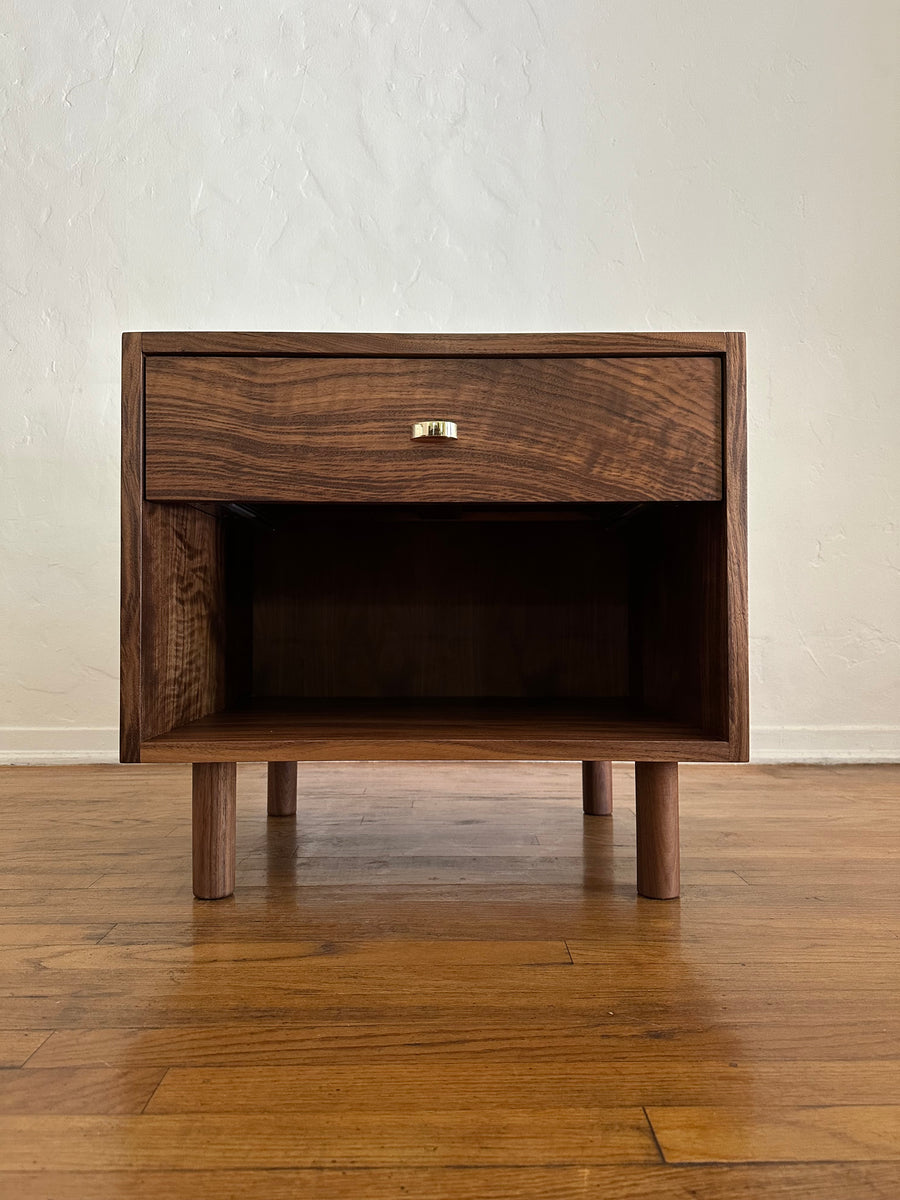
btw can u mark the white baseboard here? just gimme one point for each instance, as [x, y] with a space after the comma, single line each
[58, 745]
[52, 745]
[825, 743]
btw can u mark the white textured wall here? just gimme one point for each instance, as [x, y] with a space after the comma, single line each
[460, 165]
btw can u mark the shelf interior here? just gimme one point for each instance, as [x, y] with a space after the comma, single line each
[452, 631]
[291, 728]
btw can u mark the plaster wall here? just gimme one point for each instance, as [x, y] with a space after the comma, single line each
[467, 165]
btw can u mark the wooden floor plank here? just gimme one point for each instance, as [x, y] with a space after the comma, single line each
[19, 880]
[105, 1090]
[707, 936]
[311, 991]
[425, 1138]
[41, 935]
[832, 1181]
[248, 958]
[275, 1040]
[17, 1045]
[719, 1133]
[457, 1082]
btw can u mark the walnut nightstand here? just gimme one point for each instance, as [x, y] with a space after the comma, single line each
[379, 546]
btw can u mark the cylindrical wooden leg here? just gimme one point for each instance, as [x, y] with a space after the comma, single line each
[214, 819]
[282, 789]
[596, 788]
[656, 794]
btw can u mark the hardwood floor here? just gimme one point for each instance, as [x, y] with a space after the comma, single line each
[438, 982]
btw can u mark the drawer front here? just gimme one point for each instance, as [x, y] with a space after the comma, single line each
[574, 429]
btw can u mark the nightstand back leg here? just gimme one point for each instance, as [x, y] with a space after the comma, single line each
[596, 788]
[214, 820]
[656, 795]
[282, 789]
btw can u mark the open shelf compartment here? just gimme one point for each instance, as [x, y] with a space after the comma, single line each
[310, 631]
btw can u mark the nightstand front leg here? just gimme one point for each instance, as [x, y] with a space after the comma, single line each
[214, 821]
[596, 788]
[282, 791]
[656, 794]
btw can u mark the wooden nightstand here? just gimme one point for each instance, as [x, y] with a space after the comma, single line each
[303, 578]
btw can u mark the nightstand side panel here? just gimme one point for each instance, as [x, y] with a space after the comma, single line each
[132, 492]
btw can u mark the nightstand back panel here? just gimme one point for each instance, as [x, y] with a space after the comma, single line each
[452, 607]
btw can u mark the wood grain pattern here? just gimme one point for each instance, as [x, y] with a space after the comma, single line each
[716, 1133]
[408, 1084]
[209, 621]
[173, 598]
[678, 613]
[270, 961]
[282, 789]
[391, 345]
[368, 1139]
[547, 429]
[597, 788]
[183, 627]
[735, 467]
[368, 606]
[131, 569]
[197, 1031]
[213, 829]
[815, 1181]
[362, 730]
[484, 1019]
[17, 1045]
[516, 973]
[78, 1090]
[34, 934]
[656, 806]
[513, 640]
[328, 959]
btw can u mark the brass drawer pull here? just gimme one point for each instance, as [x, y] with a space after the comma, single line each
[434, 429]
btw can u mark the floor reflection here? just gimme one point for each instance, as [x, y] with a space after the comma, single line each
[391, 957]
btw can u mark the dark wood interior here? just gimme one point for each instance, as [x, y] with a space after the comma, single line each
[411, 604]
[481, 615]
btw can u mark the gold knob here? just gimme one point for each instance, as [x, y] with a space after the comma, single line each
[434, 429]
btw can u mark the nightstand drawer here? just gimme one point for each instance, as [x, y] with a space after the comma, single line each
[529, 429]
